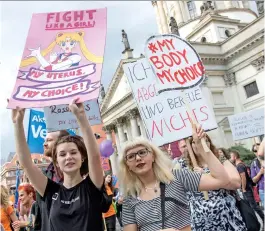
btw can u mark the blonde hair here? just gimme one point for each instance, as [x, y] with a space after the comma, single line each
[61, 37]
[129, 182]
[4, 196]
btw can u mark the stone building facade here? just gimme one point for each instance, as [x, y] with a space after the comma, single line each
[229, 36]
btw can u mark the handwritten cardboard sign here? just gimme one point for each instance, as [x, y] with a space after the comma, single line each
[165, 115]
[62, 58]
[59, 117]
[175, 62]
[247, 124]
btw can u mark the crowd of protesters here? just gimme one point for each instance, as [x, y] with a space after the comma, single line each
[155, 193]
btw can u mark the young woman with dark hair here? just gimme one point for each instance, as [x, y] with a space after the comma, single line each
[77, 203]
[219, 212]
[222, 151]
[110, 215]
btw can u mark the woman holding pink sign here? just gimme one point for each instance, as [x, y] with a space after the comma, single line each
[156, 194]
[77, 204]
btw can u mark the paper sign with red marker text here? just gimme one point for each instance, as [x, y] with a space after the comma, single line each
[59, 117]
[62, 59]
[165, 115]
[175, 62]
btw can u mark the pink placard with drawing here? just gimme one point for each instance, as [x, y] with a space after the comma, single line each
[62, 59]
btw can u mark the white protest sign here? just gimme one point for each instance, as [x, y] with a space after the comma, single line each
[247, 124]
[59, 117]
[175, 62]
[165, 115]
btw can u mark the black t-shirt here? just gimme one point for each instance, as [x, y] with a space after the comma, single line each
[77, 208]
[242, 168]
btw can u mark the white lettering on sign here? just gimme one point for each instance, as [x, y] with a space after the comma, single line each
[39, 132]
[39, 119]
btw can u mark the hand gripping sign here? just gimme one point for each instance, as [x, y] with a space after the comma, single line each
[175, 62]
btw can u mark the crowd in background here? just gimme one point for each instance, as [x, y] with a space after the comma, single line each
[156, 192]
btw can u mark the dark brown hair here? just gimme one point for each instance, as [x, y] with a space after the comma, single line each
[226, 154]
[110, 183]
[212, 148]
[254, 147]
[63, 133]
[81, 148]
[236, 153]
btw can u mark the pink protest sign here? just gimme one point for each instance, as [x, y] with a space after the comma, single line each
[62, 59]
[175, 62]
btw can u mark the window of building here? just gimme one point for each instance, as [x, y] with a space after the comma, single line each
[192, 9]
[251, 89]
[218, 98]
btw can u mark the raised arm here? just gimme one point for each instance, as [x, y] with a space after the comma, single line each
[36, 177]
[218, 177]
[94, 160]
[235, 180]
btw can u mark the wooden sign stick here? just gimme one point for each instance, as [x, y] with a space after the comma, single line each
[205, 147]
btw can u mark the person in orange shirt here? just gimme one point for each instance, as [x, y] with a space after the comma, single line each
[110, 216]
[7, 212]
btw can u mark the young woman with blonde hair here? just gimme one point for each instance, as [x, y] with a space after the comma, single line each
[219, 212]
[8, 214]
[145, 171]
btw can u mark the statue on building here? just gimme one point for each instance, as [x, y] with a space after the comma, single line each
[125, 40]
[174, 26]
[102, 91]
[206, 7]
[260, 6]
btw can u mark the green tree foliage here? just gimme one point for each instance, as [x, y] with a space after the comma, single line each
[245, 154]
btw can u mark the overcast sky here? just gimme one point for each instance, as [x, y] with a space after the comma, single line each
[136, 18]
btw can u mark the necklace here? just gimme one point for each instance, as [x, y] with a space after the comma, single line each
[154, 188]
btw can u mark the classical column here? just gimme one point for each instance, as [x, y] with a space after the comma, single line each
[113, 158]
[132, 115]
[163, 17]
[183, 10]
[119, 125]
[158, 21]
[228, 4]
[142, 128]
[178, 13]
[230, 81]
[117, 140]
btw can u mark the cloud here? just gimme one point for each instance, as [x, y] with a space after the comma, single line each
[136, 18]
